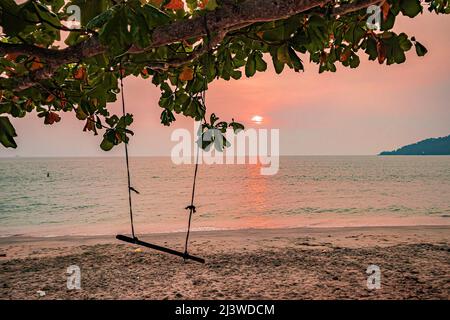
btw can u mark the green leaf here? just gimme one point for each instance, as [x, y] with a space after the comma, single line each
[139, 31]
[317, 21]
[283, 54]
[354, 61]
[278, 65]
[74, 38]
[125, 121]
[260, 64]
[106, 145]
[388, 24]
[296, 61]
[10, 18]
[354, 34]
[213, 118]
[44, 14]
[100, 20]
[80, 114]
[166, 102]
[154, 16]
[420, 49]
[236, 74]
[410, 8]
[250, 66]
[236, 126]
[115, 32]
[7, 133]
[371, 48]
[211, 5]
[112, 121]
[57, 5]
[192, 4]
[194, 109]
[280, 32]
[90, 9]
[404, 42]
[167, 117]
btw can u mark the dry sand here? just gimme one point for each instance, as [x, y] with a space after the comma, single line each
[316, 263]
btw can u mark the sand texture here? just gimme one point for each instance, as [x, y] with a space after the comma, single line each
[245, 264]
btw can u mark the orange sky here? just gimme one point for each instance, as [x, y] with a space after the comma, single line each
[358, 111]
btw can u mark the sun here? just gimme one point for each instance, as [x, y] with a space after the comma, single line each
[257, 119]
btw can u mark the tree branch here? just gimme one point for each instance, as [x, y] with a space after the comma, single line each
[227, 17]
[354, 6]
[197, 53]
[52, 59]
[30, 50]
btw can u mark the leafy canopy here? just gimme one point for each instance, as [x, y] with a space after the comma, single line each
[32, 81]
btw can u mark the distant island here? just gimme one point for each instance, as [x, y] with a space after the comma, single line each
[432, 146]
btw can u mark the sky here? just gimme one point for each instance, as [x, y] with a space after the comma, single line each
[351, 112]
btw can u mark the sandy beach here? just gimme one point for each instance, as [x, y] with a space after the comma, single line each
[314, 263]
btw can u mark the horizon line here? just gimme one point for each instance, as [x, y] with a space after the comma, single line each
[168, 156]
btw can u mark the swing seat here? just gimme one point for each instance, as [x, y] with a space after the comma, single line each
[135, 240]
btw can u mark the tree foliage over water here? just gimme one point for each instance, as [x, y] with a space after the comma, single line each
[181, 46]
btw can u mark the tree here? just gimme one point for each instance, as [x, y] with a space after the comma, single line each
[181, 46]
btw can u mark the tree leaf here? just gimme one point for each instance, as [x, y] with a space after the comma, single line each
[410, 8]
[283, 54]
[295, 60]
[420, 49]
[115, 32]
[154, 16]
[278, 65]
[175, 5]
[7, 133]
[106, 145]
[260, 64]
[250, 66]
[80, 74]
[210, 4]
[381, 51]
[186, 74]
[385, 8]
[51, 118]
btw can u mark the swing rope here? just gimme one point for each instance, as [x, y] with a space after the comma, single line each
[191, 207]
[130, 188]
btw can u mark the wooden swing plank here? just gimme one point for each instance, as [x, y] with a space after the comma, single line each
[159, 248]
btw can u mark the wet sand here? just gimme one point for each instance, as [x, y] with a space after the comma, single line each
[302, 263]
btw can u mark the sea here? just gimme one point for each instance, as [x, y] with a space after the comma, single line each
[47, 197]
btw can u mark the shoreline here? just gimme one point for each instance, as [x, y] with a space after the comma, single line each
[217, 233]
[307, 222]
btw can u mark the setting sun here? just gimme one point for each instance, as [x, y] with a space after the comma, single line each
[257, 119]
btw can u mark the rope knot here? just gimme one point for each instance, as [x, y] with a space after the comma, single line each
[192, 208]
[134, 190]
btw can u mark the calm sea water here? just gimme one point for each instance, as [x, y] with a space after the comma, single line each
[88, 196]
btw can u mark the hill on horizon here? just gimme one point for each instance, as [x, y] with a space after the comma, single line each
[431, 146]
